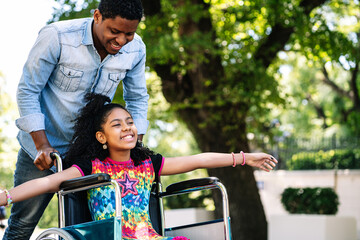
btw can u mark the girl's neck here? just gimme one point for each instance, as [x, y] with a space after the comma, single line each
[120, 156]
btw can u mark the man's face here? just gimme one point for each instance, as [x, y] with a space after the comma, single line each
[111, 34]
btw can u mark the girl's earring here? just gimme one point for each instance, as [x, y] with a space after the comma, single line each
[105, 146]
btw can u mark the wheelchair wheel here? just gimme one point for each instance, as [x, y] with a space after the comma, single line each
[55, 234]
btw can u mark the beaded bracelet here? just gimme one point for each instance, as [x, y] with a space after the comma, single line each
[8, 198]
[243, 154]
[234, 161]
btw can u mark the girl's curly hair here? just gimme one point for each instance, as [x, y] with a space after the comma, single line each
[84, 145]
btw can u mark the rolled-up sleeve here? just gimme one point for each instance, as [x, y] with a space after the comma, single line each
[135, 94]
[31, 123]
[40, 64]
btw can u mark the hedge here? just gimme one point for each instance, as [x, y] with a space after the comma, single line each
[342, 158]
[310, 200]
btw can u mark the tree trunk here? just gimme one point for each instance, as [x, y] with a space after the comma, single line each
[220, 128]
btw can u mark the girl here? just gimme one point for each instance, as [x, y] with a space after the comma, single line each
[105, 141]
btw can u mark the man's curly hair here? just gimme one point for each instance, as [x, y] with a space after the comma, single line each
[128, 9]
[85, 146]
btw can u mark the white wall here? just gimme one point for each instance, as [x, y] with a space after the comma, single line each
[346, 184]
[185, 216]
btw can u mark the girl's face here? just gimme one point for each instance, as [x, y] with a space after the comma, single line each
[119, 131]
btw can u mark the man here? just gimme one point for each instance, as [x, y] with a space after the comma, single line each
[68, 60]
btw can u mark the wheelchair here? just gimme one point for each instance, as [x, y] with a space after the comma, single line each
[75, 222]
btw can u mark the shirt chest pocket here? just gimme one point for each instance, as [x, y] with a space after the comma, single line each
[68, 79]
[108, 85]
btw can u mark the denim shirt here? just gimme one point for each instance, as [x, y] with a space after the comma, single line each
[62, 67]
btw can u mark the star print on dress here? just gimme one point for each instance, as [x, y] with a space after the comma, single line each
[128, 185]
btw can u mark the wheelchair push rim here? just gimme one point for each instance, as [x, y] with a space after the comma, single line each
[55, 234]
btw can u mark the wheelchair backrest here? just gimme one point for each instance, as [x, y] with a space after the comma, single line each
[76, 208]
[155, 209]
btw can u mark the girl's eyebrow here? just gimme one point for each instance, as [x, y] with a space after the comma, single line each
[119, 120]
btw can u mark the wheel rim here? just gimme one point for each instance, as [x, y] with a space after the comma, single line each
[55, 234]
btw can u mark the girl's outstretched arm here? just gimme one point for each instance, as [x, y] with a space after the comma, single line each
[175, 165]
[39, 186]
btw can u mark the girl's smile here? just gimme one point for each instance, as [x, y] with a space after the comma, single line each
[128, 137]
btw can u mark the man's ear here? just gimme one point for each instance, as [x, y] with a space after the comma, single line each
[100, 136]
[97, 16]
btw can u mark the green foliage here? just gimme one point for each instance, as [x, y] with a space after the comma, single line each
[50, 217]
[250, 88]
[8, 143]
[239, 29]
[308, 96]
[166, 134]
[170, 137]
[327, 39]
[329, 33]
[70, 9]
[8, 155]
[327, 36]
[341, 159]
[310, 200]
[235, 43]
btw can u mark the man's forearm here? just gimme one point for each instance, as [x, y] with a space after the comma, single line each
[40, 139]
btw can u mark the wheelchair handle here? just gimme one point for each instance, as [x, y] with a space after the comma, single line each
[55, 156]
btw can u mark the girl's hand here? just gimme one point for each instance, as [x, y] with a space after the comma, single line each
[2, 198]
[263, 161]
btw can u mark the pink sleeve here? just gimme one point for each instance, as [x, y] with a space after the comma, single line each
[162, 164]
[76, 166]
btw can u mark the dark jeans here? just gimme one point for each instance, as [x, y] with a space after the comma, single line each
[26, 214]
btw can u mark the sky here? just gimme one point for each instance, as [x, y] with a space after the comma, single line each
[20, 22]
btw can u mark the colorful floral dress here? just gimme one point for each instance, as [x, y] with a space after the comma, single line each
[136, 183]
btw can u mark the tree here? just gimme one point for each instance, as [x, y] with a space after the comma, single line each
[327, 103]
[323, 82]
[213, 59]
[216, 63]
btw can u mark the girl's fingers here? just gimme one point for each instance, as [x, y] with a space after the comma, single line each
[273, 159]
[266, 162]
[271, 163]
[264, 168]
[267, 166]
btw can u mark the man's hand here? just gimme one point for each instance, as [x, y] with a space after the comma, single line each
[42, 160]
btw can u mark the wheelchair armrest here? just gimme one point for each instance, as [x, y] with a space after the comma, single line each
[84, 181]
[190, 185]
